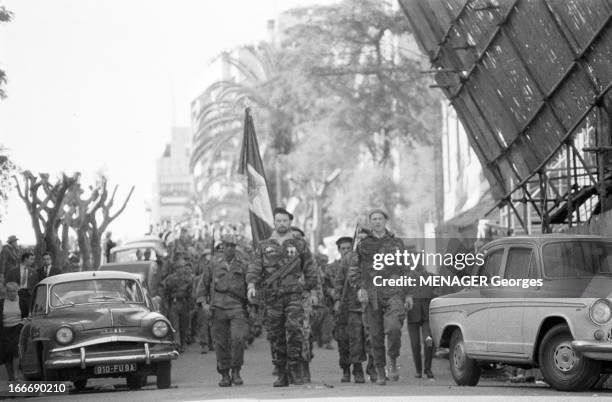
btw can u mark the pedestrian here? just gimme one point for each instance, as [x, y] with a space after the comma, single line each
[418, 324]
[47, 269]
[25, 276]
[9, 255]
[108, 246]
[226, 289]
[13, 310]
[385, 306]
[277, 266]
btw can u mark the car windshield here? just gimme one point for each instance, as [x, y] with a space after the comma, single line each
[135, 254]
[96, 291]
[577, 258]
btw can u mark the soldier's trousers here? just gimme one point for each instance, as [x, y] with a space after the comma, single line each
[284, 320]
[229, 332]
[201, 326]
[323, 325]
[178, 314]
[350, 335]
[385, 322]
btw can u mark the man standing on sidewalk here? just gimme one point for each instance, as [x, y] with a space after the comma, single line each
[385, 306]
[278, 264]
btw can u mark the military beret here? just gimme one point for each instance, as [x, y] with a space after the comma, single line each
[344, 239]
[377, 211]
[281, 210]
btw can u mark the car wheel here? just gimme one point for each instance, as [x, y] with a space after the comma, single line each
[136, 381]
[562, 367]
[464, 369]
[80, 385]
[164, 374]
[49, 375]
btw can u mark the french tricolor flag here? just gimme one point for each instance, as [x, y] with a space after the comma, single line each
[260, 209]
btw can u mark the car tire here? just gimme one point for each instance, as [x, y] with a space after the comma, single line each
[136, 381]
[80, 385]
[562, 367]
[465, 370]
[164, 374]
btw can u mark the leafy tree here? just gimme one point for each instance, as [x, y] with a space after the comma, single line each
[359, 50]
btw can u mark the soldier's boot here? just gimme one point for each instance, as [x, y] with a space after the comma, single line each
[226, 381]
[428, 358]
[281, 380]
[346, 374]
[296, 373]
[381, 376]
[236, 379]
[393, 373]
[358, 373]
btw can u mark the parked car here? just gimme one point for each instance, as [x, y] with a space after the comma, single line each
[562, 324]
[95, 324]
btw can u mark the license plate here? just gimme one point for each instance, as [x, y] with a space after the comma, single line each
[114, 368]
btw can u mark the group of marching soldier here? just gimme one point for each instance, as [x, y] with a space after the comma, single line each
[298, 296]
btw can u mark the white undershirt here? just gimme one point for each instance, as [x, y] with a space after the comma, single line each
[12, 313]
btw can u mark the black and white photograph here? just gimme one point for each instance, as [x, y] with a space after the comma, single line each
[306, 200]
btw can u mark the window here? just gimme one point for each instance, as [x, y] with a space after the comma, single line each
[519, 263]
[96, 291]
[492, 263]
[571, 259]
[39, 300]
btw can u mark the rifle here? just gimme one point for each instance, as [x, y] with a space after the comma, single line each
[281, 273]
[344, 287]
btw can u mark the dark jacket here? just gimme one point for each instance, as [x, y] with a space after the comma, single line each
[14, 275]
[9, 258]
[54, 271]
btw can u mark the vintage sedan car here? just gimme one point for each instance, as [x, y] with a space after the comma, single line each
[95, 324]
[561, 321]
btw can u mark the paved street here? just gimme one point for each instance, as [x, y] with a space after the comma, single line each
[195, 378]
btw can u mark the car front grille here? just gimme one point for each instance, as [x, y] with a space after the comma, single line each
[114, 347]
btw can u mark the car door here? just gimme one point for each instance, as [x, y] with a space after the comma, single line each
[29, 354]
[477, 316]
[507, 306]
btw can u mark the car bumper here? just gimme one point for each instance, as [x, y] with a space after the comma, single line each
[592, 347]
[147, 355]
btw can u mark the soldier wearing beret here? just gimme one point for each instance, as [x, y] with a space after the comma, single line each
[385, 306]
[278, 265]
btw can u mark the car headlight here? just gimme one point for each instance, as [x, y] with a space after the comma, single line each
[64, 335]
[600, 311]
[159, 329]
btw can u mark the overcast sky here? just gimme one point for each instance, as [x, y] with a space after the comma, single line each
[97, 84]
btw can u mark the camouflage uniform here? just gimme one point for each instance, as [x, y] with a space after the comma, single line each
[323, 323]
[350, 331]
[226, 289]
[177, 291]
[384, 312]
[284, 311]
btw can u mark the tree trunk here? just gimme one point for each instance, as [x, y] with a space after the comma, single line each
[95, 248]
[84, 248]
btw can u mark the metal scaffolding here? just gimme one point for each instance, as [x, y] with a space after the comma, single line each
[530, 81]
